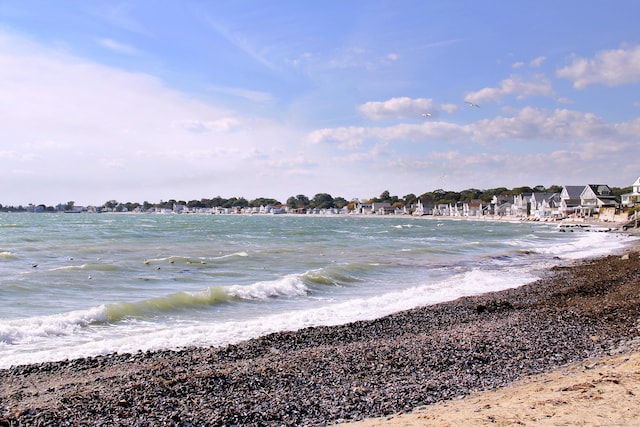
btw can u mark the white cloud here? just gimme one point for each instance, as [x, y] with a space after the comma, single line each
[73, 123]
[224, 124]
[513, 86]
[345, 137]
[537, 62]
[560, 126]
[610, 67]
[527, 124]
[564, 100]
[396, 108]
[449, 108]
[353, 137]
[528, 145]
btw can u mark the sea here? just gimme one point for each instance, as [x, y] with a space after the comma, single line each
[79, 285]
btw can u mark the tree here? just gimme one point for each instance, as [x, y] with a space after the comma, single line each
[618, 192]
[470, 194]
[292, 202]
[520, 190]
[322, 201]
[385, 197]
[241, 202]
[110, 204]
[340, 202]
[262, 201]
[298, 202]
[303, 201]
[410, 199]
[554, 189]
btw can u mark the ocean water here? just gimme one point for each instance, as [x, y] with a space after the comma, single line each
[75, 285]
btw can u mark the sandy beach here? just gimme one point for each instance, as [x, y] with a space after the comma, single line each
[559, 351]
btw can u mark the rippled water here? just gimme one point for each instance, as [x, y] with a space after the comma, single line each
[76, 285]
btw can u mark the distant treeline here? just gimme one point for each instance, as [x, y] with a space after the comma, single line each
[319, 201]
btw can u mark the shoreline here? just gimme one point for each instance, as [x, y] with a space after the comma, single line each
[365, 369]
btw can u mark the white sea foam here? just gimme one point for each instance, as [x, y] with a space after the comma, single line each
[7, 254]
[290, 285]
[35, 328]
[587, 245]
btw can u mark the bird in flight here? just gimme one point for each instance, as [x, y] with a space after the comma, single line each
[426, 114]
[471, 104]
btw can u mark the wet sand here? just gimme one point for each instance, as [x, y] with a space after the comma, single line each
[435, 358]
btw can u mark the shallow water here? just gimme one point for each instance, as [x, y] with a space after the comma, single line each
[75, 285]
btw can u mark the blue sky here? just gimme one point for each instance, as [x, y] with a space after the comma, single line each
[153, 100]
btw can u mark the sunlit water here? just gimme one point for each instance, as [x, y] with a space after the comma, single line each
[75, 285]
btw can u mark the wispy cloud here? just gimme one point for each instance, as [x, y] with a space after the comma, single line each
[118, 47]
[121, 15]
[251, 95]
[349, 58]
[241, 41]
[437, 44]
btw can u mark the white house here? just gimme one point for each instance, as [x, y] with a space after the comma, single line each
[570, 199]
[501, 206]
[381, 208]
[594, 197]
[631, 199]
[545, 205]
[475, 207]
[521, 206]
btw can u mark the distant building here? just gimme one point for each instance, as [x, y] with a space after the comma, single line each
[545, 205]
[594, 197]
[633, 198]
[570, 199]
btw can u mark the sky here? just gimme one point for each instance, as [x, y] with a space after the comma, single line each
[156, 100]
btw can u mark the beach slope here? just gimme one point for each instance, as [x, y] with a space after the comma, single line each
[430, 356]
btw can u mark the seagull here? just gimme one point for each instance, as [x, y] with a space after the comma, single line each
[426, 114]
[471, 104]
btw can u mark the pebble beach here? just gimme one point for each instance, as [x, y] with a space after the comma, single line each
[378, 372]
